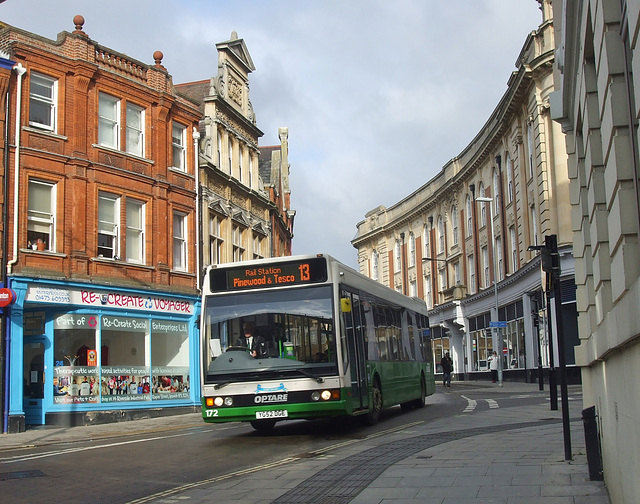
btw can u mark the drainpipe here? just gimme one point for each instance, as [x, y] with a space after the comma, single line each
[196, 138]
[20, 71]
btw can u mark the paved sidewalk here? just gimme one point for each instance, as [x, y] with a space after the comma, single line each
[499, 454]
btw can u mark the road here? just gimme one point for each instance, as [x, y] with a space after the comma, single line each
[121, 468]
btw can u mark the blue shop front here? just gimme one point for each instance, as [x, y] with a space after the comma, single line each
[81, 354]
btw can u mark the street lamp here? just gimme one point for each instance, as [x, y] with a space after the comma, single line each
[485, 199]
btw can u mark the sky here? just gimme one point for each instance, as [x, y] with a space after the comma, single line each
[378, 95]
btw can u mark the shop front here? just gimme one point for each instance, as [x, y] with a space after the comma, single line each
[81, 354]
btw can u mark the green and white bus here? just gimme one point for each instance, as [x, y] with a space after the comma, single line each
[326, 342]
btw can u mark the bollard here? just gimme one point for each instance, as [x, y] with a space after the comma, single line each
[592, 443]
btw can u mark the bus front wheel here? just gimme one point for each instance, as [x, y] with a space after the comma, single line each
[263, 426]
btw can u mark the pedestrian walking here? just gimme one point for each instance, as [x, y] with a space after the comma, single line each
[447, 370]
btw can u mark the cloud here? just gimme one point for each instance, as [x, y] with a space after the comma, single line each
[377, 95]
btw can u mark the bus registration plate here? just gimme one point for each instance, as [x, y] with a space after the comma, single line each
[271, 414]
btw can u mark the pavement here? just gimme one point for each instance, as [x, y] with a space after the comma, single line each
[496, 451]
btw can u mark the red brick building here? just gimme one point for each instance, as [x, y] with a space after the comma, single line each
[98, 238]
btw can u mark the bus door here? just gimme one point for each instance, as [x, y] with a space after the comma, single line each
[352, 323]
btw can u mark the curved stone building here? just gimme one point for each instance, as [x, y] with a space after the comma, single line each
[462, 241]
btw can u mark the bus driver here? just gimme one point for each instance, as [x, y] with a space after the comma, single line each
[255, 344]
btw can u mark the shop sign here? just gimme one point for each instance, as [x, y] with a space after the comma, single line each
[7, 297]
[75, 321]
[110, 299]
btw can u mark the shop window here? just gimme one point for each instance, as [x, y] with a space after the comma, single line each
[125, 359]
[75, 359]
[41, 215]
[170, 360]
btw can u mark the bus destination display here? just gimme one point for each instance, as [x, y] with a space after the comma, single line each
[270, 275]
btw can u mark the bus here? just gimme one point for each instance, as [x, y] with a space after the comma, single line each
[326, 341]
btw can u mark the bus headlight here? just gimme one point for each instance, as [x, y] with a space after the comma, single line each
[228, 401]
[326, 395]
[218, 401]
[315, 395]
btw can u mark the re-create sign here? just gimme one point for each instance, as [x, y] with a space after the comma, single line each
[7, 297]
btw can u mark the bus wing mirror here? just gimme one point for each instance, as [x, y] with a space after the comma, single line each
[345, 305]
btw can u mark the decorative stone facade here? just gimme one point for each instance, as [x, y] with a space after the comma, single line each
[440, 243]
[244, 214]
[596, 70]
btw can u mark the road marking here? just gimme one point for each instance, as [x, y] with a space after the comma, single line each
[492, 403]
[55, 453]
[471, 404]
[277, 463]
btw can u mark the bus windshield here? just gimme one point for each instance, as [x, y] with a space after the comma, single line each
[269, 334]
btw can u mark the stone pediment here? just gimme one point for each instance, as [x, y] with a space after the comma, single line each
[240, 218]
[260, 228]
[218, 207]
[238, 48]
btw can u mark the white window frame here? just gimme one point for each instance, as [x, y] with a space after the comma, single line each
[496, 191]
[215, 239]
[250, 169]
[238, 242]
[530, 147]
[240, 158]
[442, 273]
[514, 248]
[472, 274]
[412, 250]
[485, 263]
[454, 224]
[108, 120]
[219, 151]
[427, 241]
[483, 208]
[397, 254]
[135, 134]
[41, 221]
[109, 225]
[510, 187]
[440, 234]
[469, 211]
[43, 102]
[179, 146]
[534, 225]
[456, 273]
[498, 251]
[427, 292]
[258, 240]
[413, 288]
[135, 235]
[374, 265]
[180, 259]
[230, 153]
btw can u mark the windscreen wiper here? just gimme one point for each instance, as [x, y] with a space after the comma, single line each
[318, 379]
